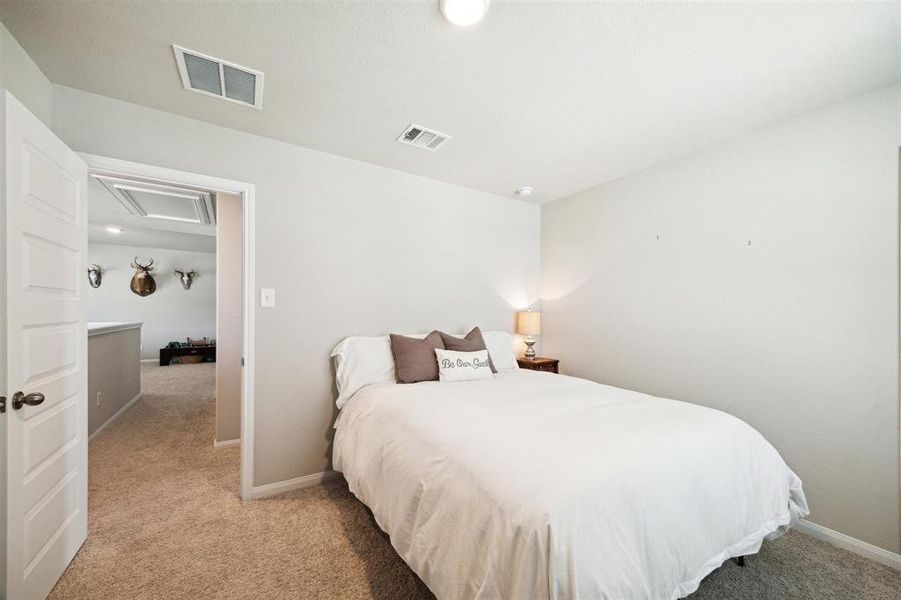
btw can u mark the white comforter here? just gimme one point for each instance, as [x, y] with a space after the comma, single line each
[536, 485]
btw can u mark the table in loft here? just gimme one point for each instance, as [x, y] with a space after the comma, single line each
[166, 354]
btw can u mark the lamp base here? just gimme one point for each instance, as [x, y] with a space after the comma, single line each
[530, 351]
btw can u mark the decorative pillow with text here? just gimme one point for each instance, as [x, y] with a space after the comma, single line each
[472, 342]
[463, 366]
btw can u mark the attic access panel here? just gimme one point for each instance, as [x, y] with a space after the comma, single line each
[160, 201]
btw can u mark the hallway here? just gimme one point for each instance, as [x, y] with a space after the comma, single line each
[165, 519]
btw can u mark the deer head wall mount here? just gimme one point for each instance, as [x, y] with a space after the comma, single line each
[95, 275]
[187, 277]
[142, 283]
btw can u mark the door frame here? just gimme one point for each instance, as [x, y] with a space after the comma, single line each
[247, 191]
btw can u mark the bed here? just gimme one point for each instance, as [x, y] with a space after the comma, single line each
[535, 485]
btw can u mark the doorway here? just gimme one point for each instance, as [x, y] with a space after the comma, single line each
[225, 208]
[43, 361]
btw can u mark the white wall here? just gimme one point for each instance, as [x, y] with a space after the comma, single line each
[169, 314]
[22, 77]
[229, 315]
[796, 333]
[351, 248]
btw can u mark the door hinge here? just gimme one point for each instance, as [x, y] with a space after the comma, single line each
[242, 361]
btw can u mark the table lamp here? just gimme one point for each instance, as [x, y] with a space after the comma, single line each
[528, 323]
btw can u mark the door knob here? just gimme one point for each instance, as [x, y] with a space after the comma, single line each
[20, 399]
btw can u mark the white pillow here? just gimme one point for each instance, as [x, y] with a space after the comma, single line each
[500, 345]
[360, 361]
[463, 366]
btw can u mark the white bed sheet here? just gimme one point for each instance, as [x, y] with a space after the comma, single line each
[535, 485]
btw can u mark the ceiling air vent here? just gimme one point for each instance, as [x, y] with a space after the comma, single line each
[215, 77]
[421, 137]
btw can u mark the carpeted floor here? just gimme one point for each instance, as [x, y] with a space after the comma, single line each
[165, 522]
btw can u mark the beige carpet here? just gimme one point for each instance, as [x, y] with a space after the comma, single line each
[166, 522]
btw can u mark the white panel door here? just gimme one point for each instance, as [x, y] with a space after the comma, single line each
[46, 352]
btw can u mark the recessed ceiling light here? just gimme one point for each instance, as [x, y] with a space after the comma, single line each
[463, 12]
[524, 191]
[114, 229]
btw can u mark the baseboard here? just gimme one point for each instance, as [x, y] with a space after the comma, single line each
[849, 543]
[226, 443]
[115, 416]
[150, 360]
[288, 485]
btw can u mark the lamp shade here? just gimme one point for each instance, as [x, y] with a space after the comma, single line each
[528, 323]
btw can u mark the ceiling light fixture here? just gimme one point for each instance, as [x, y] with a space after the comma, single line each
[524, 191]
[114, 229]
[463, 13]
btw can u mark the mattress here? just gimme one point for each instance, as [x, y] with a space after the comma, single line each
[536, 485]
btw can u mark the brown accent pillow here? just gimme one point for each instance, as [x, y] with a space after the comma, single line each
[471, 343]
[414, 359]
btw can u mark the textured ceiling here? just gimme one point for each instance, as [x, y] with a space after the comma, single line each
[559, 96]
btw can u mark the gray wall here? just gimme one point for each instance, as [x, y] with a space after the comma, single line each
[351, 249]
[229, 305]
[114, 368]
[24, 79]
[169, 314]
[796, 333]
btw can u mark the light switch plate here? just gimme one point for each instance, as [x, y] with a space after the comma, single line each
[267, 297]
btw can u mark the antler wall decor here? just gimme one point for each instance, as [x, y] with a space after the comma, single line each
[95, 275]
[142, 283]
[187, 278]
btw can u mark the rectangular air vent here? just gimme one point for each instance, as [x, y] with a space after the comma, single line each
[215, 77]
[421, 137]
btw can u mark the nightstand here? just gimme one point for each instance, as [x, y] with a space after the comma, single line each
[539, 364]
